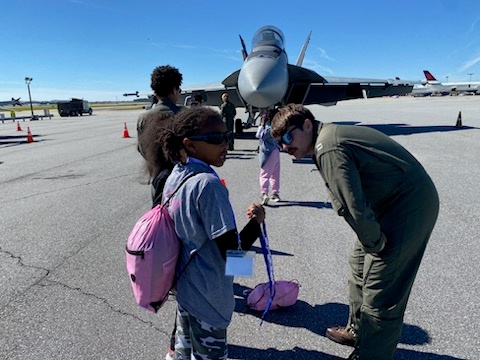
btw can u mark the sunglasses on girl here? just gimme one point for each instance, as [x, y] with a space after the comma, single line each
[215, 138]
[287, 138]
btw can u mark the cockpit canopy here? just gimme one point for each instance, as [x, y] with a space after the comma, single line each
[268, 36]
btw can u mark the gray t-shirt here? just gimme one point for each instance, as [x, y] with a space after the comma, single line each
[202, 212]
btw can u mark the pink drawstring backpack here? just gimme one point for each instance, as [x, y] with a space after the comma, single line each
[151, 256]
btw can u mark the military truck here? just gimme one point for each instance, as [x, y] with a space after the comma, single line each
[74, 107]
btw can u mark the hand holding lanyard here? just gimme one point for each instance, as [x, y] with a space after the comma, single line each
[239, 262]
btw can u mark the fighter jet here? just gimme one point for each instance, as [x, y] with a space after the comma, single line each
[266, 79]
[132, 94]
[13, 102]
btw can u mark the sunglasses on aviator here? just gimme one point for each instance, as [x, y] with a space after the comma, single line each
[215, 138]
[287, 138]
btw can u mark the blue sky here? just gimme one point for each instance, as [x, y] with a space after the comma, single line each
[100, 49]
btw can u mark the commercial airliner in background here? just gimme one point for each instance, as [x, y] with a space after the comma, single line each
[13, 102]
[422, 90]
[266, 79]
[450, 87]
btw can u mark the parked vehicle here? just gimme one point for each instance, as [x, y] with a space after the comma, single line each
[74, 107]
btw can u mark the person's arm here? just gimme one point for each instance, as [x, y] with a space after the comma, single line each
[343, 181]
[259, 132]
[248, 235]
[229, 241]
[140, 126]
[158, 183]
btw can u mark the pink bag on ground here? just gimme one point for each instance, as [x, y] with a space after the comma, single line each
[286, 294]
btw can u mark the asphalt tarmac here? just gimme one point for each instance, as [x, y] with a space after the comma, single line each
[69, 199]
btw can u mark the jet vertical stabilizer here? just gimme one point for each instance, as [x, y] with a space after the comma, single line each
[244, 48]
[303, 51]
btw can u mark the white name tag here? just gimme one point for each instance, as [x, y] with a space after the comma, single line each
[239, 263]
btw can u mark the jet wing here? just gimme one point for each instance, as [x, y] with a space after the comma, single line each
[307, 87]
[212, 93]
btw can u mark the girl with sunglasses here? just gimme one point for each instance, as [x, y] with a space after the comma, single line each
[205, 223]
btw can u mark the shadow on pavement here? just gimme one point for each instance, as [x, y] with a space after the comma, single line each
[240, 352]
[17, 139]
[313, 204]
[258, 250]
[316, 319]
[405, 129]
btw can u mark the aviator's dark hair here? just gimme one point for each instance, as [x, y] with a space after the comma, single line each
[290, 114]
[188, 122]
[165, 79]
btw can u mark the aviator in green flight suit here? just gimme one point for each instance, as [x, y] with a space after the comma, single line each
[391, 203]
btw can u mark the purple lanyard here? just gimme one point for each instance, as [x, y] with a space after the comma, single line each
[267, 255]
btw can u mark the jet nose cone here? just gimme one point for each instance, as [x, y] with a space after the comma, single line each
[263, 81]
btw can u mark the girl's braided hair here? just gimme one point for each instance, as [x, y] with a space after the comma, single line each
[188, 122]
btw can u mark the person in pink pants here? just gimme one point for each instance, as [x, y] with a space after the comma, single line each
[269, 157]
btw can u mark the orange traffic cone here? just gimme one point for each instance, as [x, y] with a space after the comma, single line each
[459, 120]
[18, 127]
[125, 130]
[29, 135]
